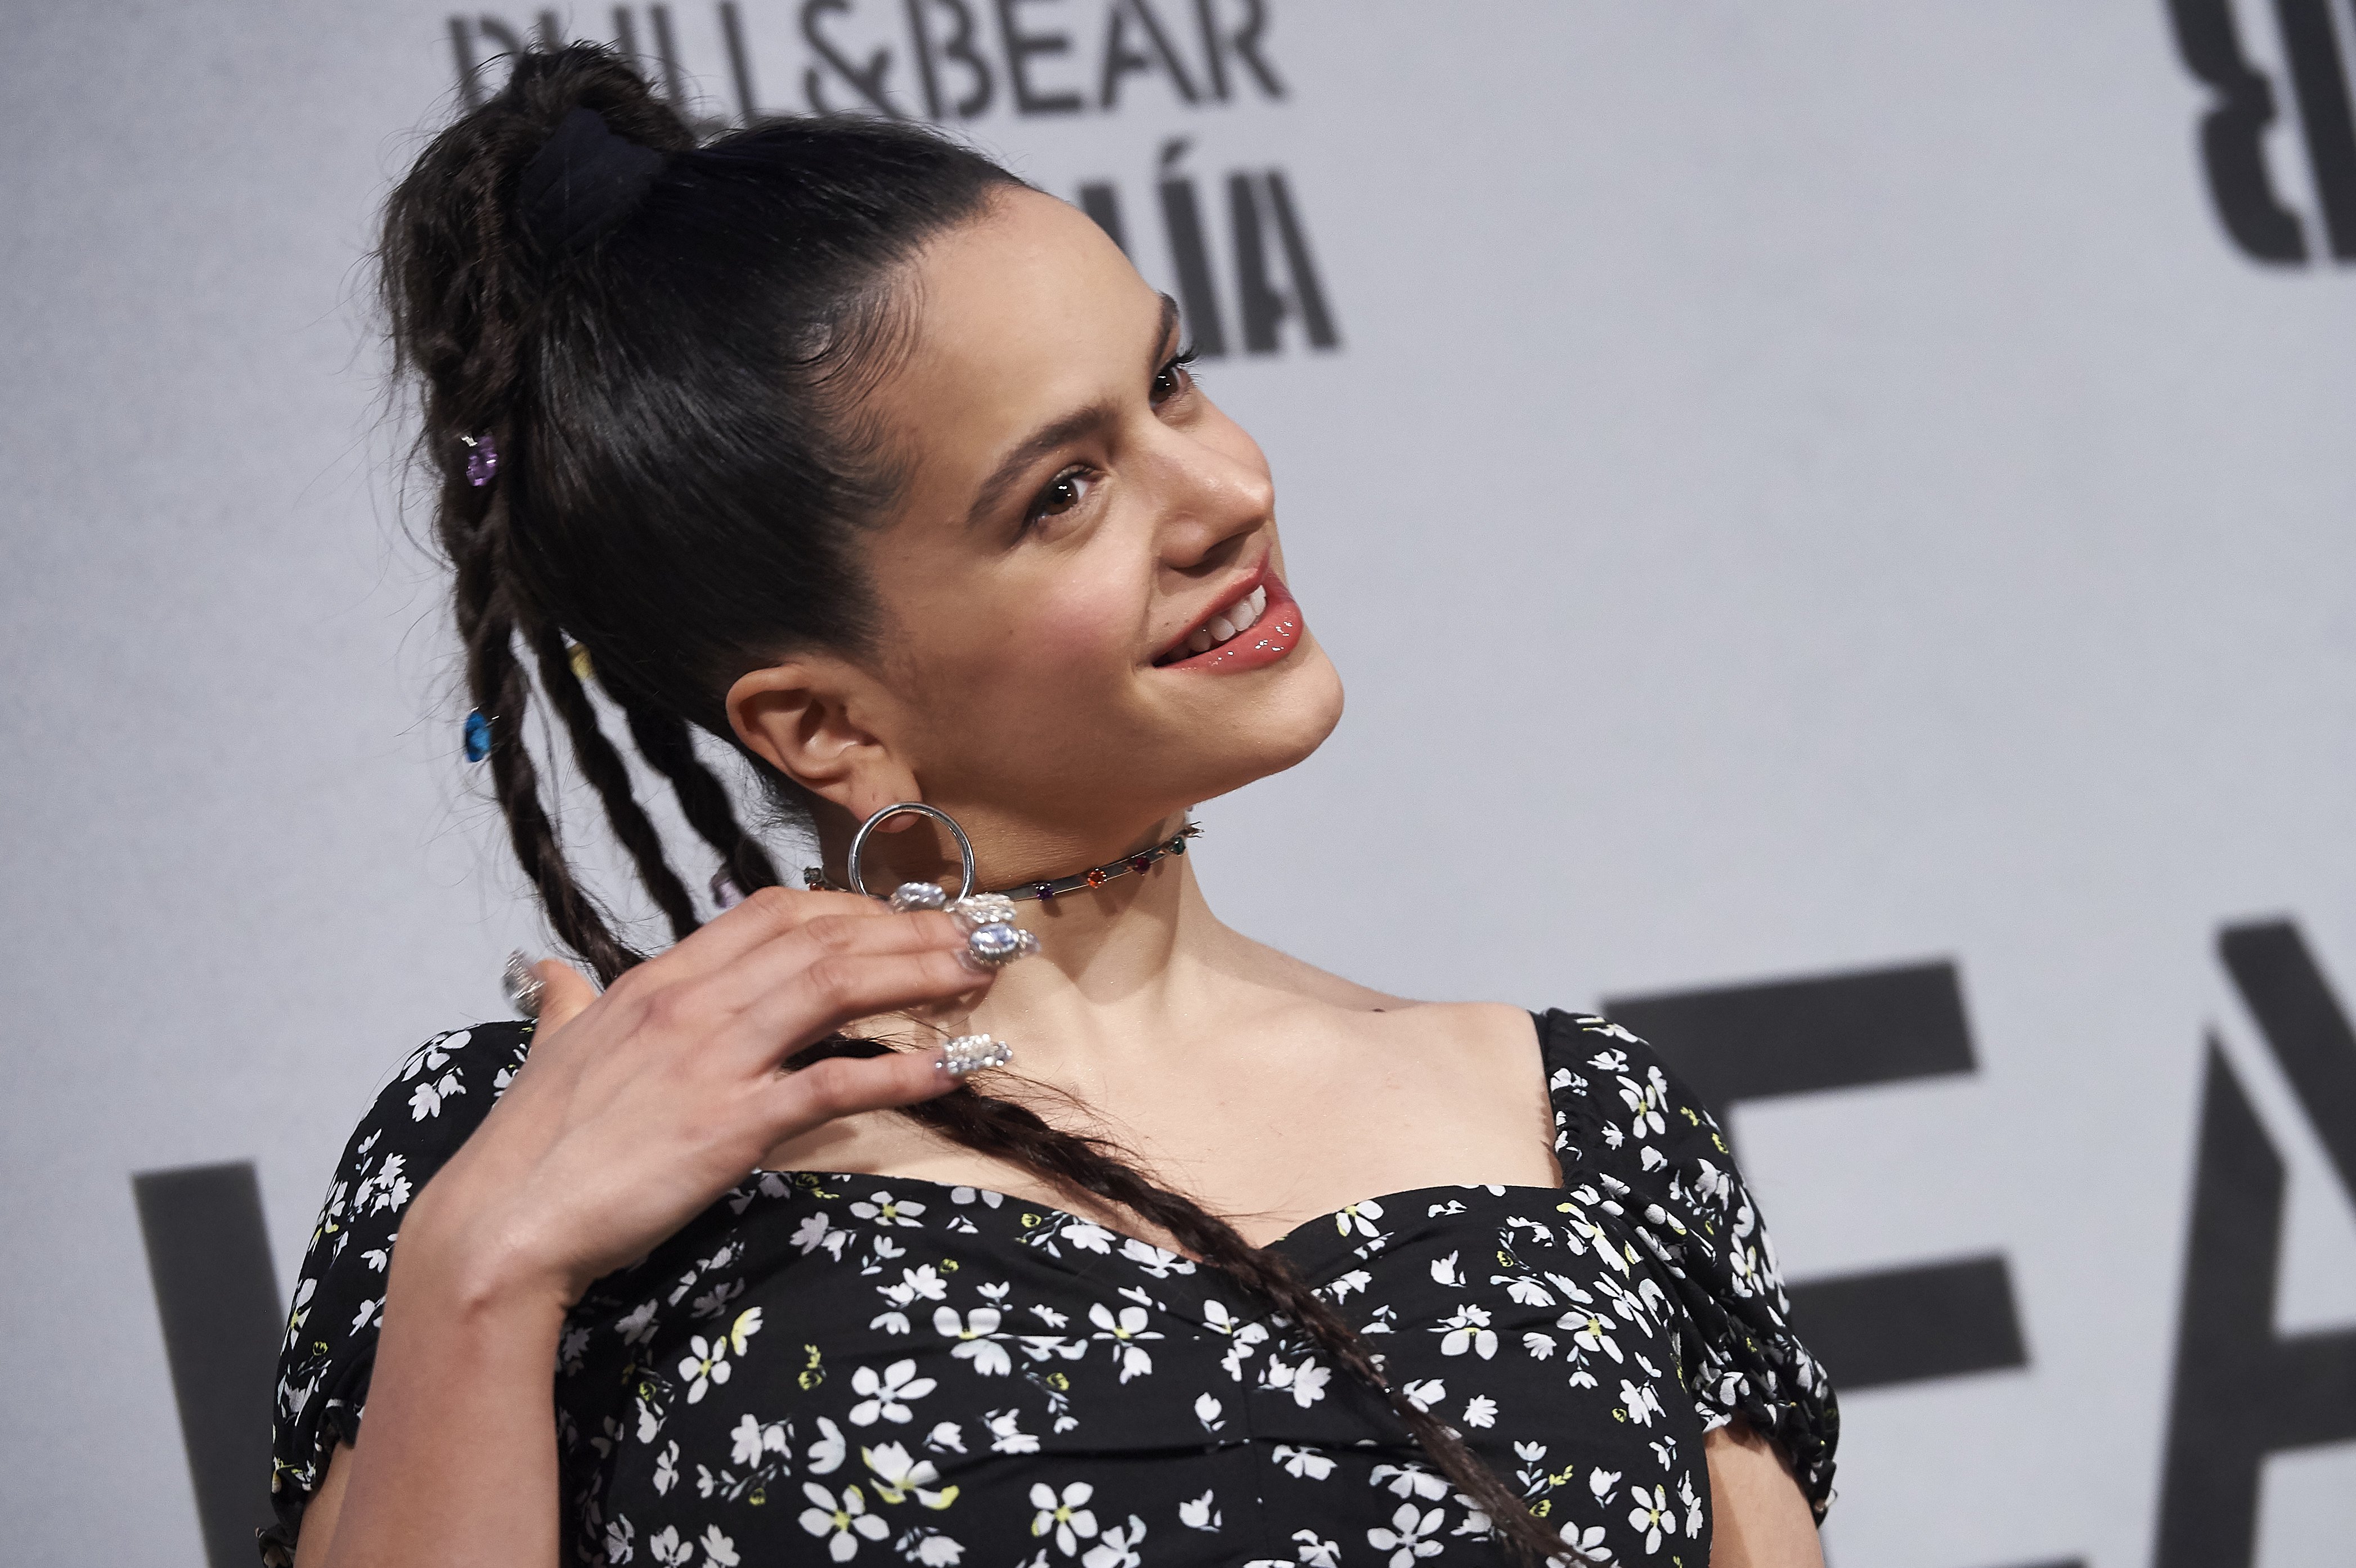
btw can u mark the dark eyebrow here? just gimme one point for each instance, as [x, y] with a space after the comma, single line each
[1064, 431]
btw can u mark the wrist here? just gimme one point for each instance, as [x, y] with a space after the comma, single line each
[470, 1267]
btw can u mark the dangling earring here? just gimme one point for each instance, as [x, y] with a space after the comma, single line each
[992, 940]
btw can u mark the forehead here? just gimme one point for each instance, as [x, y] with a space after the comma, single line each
[1018, 317]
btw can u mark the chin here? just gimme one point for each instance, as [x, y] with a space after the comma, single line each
[1269, 727]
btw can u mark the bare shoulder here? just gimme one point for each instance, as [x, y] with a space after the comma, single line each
[1457, 1035]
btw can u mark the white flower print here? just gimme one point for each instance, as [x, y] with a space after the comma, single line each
[816, 1230]
[1307, 1382]
[720, 1550]
[714, 1302]
[970, 1194]
[1209, 1412]
[426, 1100]
[1539, 1346]
[843, 1524]
[921, 1284]
[1316, 1553]
[1409, 1481]
[946, 1438]
[1118, 1547]
[1694, 1519]
[1360, 1215]
[665, 1548]
[751, 1439]
[1426, 1393]
[1480, 1410]
[620, 1534]
[899, 1476]
[1651, 1516]
[887, 1398]
[1302, 1462]
[1200, 1513]
[1068, 1516]
[1124, 1330]
[1407, 1536]
[1468, 1329]
[977, 1336]
[1152, 1260]
[1088, 1238]
[1445, 1272]
[667, 1469]
[1005, 1436]
[886, 1210]
[930, 1548]
[1600, 1483]
[1641, 1401]
[827, 1454]
[638, 1326]
[707, 1365]
[1586, 1544]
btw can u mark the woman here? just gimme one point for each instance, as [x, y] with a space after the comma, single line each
[833, 441]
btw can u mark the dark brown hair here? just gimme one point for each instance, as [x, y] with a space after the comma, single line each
[682, 477]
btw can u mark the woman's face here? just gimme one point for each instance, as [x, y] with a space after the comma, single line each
[1078, 521]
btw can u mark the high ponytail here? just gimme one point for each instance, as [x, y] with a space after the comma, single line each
[680, 486]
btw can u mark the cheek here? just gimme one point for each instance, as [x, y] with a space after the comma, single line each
[1055, 641]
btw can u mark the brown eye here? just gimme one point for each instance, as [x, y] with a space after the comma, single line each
[1064, 492]
[1174, 378]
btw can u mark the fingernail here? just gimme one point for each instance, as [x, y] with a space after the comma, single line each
[523, 988]
[970, 1053]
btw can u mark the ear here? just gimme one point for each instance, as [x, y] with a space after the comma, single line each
[808, 719]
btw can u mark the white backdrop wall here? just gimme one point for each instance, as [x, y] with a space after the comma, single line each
[1796, 490]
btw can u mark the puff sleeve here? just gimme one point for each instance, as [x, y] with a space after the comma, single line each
[438, 1097]
[1626, 1126]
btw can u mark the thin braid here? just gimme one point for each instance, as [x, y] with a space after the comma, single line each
[495, 679]
[609, 776]
[1067, 1161]
[665, 740]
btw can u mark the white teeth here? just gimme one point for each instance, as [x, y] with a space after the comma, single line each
[1241, 614]
[1258, 602]
[1220, 629]
[1200, 643]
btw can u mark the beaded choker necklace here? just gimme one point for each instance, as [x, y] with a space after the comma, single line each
[815, 879]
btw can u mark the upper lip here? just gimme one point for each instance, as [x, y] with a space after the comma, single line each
[1176, 646]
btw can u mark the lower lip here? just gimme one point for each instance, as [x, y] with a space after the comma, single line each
[1268, 639]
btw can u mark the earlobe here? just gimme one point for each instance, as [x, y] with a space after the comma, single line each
[802, 717]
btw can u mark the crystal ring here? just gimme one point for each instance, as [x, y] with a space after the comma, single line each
[969, 1053]
[901, 808]
[523, 988]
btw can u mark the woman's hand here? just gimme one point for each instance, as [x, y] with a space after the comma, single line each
[640, 1107]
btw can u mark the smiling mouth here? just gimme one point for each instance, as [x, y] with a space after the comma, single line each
[1256, 627]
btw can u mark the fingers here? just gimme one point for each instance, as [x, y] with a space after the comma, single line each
[846, 1085]
[767, 914]
[838, 988]
[761, 969]
[565, 991]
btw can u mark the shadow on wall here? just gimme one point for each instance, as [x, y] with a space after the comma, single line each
[2241, 1392]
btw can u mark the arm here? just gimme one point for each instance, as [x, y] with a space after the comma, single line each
[1759, 1519]
[636, 1110]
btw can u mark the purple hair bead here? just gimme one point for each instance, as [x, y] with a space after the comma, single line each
[482, 458]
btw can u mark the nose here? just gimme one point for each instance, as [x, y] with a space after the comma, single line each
[1216, 498]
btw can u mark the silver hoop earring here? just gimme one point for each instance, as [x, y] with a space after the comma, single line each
[901, 808]
[991, 939]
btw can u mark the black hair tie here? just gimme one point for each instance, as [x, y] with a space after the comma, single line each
[584, 182]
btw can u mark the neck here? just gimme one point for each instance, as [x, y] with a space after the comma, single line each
[1114, 959]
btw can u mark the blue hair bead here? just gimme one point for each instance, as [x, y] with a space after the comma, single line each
[479, 736]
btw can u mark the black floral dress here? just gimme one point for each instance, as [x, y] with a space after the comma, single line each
[877, 1369]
